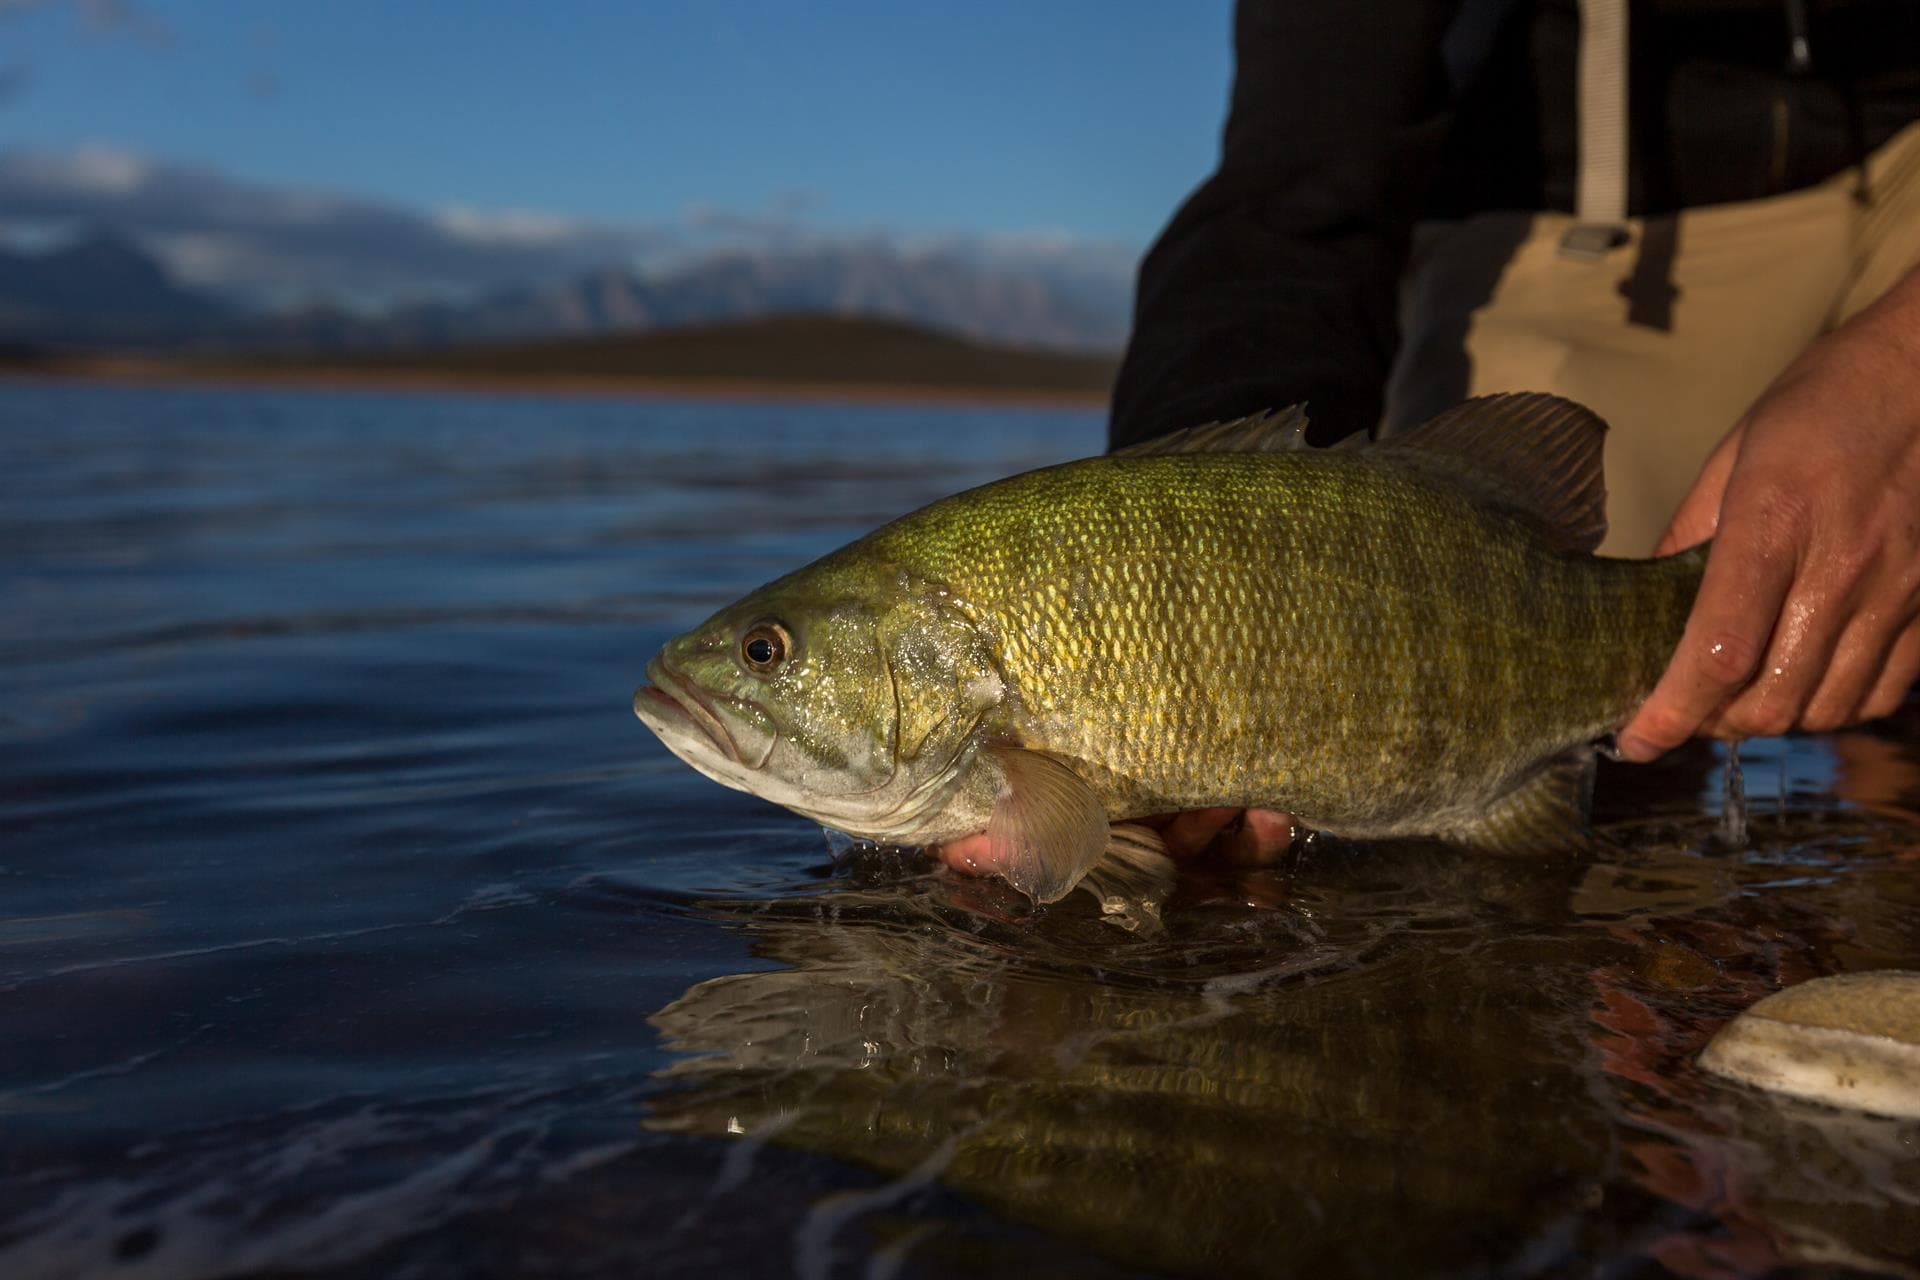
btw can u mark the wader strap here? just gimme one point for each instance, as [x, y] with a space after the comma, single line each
[1600, 191]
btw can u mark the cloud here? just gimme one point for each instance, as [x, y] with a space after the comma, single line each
[509, 226]
[84, 172]
[279, 244]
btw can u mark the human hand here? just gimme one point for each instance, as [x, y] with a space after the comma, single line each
[1242, 837]
[1808, 616]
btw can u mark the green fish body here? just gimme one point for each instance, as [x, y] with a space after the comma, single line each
[1410, 638]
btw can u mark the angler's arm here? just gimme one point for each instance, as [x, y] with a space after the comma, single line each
[1809, 614]
[1277, 282]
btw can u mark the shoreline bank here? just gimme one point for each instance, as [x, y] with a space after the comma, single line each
[135, 371]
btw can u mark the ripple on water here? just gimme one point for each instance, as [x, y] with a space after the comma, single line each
[353, 927]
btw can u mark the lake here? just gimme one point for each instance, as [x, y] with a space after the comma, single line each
[353, 926]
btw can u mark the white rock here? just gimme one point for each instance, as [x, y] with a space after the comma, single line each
[1851, 1041]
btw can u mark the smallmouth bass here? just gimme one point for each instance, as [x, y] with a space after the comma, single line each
[1394, 639]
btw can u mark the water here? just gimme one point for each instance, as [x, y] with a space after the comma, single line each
[352, 926]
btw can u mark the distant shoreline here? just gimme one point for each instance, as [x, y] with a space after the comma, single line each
[845, 359]
[138, 372]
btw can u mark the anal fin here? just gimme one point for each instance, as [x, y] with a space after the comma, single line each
[1546, 814]
[1133, 878]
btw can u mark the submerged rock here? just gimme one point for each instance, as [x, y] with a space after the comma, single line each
[1852, 1040]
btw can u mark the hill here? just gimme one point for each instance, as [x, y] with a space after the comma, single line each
[790, 354]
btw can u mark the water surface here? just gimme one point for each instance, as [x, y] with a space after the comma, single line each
[352, 926]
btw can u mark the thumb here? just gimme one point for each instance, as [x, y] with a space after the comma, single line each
[1697, 518]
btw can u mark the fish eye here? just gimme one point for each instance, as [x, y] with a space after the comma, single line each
[764, 646]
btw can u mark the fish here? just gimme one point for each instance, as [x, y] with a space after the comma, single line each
[1408, 637]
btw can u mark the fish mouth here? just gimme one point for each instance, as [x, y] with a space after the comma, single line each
[670, 697]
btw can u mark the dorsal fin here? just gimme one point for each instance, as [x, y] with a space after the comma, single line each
[1271, 431]
[1530, 451]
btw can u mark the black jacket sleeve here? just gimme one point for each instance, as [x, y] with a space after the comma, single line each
[1278, 281]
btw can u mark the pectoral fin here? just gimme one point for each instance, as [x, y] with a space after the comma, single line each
[1546, 814]
[1048, 829]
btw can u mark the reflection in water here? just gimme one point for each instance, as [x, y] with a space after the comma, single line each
[1878, 772]
[1422, 1060]
[338, 880]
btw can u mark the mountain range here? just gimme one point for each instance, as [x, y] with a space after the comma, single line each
[102, 291]
[106, 291]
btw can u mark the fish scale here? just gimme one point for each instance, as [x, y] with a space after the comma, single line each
[1409, 638]
[1332, 637]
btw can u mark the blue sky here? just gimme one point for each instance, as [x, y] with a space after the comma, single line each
[1088, 119]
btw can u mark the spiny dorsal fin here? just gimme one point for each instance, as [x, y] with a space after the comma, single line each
[1273, 431]
[1532, 452]
[1546, 814]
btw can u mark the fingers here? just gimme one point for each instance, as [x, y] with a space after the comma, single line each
[1727, 635]
[1698, 515]
[1261, 839]
[968, 854]
[1243, 837]
[1896, 678]
[1852, 672]
[1791, 630]
[1806, 636]
[1190, 833]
